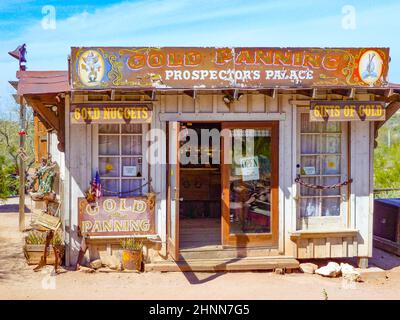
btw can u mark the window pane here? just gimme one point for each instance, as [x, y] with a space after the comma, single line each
[327, 181]
[250, 208]
[110, 185]
[109, 167]
[331, 165]
[308, 126]
[131, 145]
[308, 163]
[108, 145]
[305, 191]
[133, 167]
[310, 144]
[331, 127]
[330, 207]
[308, 207]
[331, 143]
[132, 187]
[131, 128]
[108, 128]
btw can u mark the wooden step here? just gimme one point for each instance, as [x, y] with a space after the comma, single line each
[213, 265]
[218, 252]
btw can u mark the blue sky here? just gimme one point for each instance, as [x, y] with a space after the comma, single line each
[188, 23]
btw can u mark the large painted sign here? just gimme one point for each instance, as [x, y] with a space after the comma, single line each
[213, 68]
[347, 110]
[113, 216]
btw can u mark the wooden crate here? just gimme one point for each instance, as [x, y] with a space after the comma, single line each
[33, 253]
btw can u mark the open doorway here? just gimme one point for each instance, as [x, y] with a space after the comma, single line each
[200, 187]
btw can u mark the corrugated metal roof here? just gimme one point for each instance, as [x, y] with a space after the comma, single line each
[37, 82]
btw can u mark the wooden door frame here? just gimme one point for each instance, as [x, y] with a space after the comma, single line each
[173, 246]
[251, 239]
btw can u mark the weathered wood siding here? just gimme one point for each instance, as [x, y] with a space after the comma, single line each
[79, 170]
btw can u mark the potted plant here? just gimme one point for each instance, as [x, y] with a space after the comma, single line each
[34, 247]
[132, 254]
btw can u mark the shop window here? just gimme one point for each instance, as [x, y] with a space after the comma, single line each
[322, 158]
[120, 159]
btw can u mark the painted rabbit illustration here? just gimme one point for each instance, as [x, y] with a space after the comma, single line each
[370, 71]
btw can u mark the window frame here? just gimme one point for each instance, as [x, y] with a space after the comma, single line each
[145, 166]
[323, 222]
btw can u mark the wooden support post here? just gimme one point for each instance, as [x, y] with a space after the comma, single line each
[21, 166]
[363, 262]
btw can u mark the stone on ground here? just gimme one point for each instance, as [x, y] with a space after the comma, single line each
[95, 264]
[111, 262]
[349, 272]
[332, 270]
[308, 267]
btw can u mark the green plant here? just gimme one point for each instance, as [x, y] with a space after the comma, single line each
[36, 237]
[8, 181]
[132, 244]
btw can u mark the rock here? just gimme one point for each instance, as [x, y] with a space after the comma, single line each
[332, 270]
[372, 274]
[349, 272]
[86, 270]
[279, 271]
[111, 261]
[95, 264]
[308, 267]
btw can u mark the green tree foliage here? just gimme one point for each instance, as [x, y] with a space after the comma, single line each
[8, 180]
[9, 147]
[387, 157]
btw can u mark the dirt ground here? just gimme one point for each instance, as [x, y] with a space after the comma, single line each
[18, 281]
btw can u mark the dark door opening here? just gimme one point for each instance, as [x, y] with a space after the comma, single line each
[200, 186]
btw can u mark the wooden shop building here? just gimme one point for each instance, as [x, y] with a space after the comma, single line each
[294, 133]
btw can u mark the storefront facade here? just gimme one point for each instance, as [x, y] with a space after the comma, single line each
[225, 154]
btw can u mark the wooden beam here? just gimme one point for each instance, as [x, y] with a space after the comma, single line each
[14, 84]
[241, 116]
[61, 131]
[341, 92]
[151, 94]
[391, 109]
[191, 93]
[305, 92]
[46, 125]
[46, 113]
[269, 92]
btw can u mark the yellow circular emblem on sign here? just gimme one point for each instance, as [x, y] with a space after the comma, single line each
[91, 68]
[370, 67]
